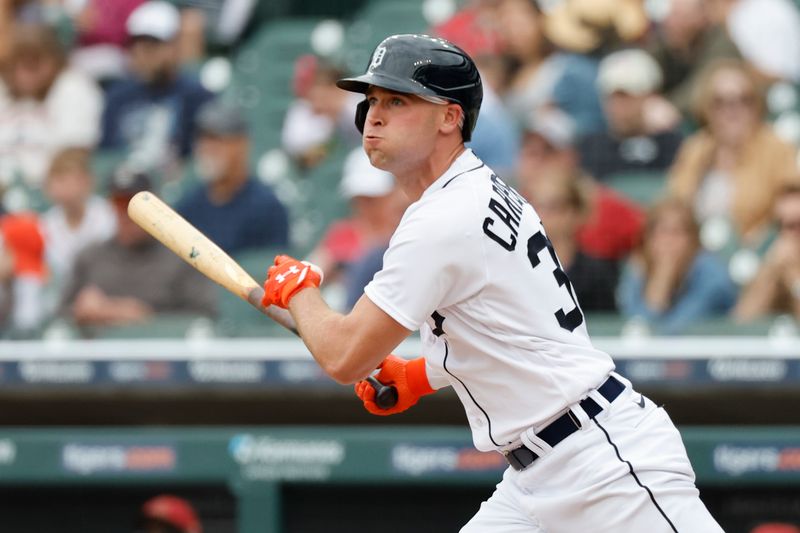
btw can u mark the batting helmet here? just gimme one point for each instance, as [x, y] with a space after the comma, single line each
[425, 66]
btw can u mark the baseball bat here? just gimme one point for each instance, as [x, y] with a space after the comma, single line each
[187, 242]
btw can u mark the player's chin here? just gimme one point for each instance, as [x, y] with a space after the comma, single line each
[377, 157]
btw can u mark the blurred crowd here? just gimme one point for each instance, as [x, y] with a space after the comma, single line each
[657, 140]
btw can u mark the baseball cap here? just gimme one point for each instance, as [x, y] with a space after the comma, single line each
[632, 71]
[157, 19]
[776, 527]
[174, 511]
[221, 119]
[555, 126]
[360, 178]
[126, 181]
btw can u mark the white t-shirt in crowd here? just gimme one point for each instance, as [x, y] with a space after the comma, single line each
[32, 131]
[471, 267]
[767, 32]
[63, 243]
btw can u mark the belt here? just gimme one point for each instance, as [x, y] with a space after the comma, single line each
[565, 425]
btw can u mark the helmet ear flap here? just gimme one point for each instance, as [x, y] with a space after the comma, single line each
[361, 115]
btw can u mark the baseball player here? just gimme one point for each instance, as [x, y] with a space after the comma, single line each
[471, 267]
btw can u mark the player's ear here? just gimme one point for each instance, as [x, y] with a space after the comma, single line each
[451, 118]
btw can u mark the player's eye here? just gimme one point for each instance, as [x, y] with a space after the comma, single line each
[371, 101]
[397, 101]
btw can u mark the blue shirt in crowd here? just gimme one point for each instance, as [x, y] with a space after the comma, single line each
[253, 218]
[140, 116]
[706, 292]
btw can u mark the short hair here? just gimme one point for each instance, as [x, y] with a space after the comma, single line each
[71, 159]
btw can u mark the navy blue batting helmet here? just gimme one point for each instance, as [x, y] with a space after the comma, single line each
[424, 66]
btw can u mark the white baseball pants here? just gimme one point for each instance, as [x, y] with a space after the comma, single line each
[624, 472]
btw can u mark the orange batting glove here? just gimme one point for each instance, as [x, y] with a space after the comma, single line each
[287, 277]
[408, 377]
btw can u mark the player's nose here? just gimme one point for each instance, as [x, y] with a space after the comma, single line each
[376, 116]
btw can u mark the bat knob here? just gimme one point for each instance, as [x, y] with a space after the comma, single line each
[385, 395]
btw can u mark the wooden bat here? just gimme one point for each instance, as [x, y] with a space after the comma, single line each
[187, 242]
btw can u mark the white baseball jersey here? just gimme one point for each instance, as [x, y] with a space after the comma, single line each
[470, 266]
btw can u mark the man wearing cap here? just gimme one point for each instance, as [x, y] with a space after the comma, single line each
[235, 210]
[152, 112]
[131, 277]
[168, 514]
[351, 251]
[613, 223]
[642, 129]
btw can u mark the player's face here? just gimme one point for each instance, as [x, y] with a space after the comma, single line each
[400, 129]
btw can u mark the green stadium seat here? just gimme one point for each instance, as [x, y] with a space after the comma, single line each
[379, 19]
[164, 326]
[643, 187]
[262, 79]
[236, 317]
[604, 324]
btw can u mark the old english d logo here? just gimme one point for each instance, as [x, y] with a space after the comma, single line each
[377, 57]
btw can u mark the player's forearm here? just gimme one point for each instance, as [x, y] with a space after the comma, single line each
[332, 338]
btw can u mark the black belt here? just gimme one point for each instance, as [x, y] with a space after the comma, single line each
[565, 425]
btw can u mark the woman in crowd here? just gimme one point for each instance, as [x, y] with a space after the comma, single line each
[732, 168]
[672, 282]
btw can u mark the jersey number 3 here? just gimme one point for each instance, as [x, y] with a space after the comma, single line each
[536, 244]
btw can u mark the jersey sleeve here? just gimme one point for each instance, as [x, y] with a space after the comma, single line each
[433, 261]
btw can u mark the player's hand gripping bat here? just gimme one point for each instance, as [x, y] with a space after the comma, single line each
[188, 243]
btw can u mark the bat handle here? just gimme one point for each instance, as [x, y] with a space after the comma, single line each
[385, 395]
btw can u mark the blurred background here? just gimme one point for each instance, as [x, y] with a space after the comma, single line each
[657, 139]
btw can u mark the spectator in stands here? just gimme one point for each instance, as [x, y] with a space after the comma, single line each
[132, 277]
[776, 286]
[234, 209]
[612, 225]
[222, 21]
[641, 134]
[585, 31]
[351, 251]
[101, 36]
[168, 514]
[478, 29]
[44, 105]
[22, 274]
[685, 42]
[733, 166]
[320, 112]
[152, 113]
[78, 217]
[672, 283]
[536, 67]
[767, 32]
[563, 206]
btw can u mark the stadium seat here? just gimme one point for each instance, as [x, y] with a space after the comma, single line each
[262, 79]
[379, 19]
[236, 317]
[164, 326]
[643, 187]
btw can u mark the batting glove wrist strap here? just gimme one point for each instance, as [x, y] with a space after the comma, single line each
[287, 277]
